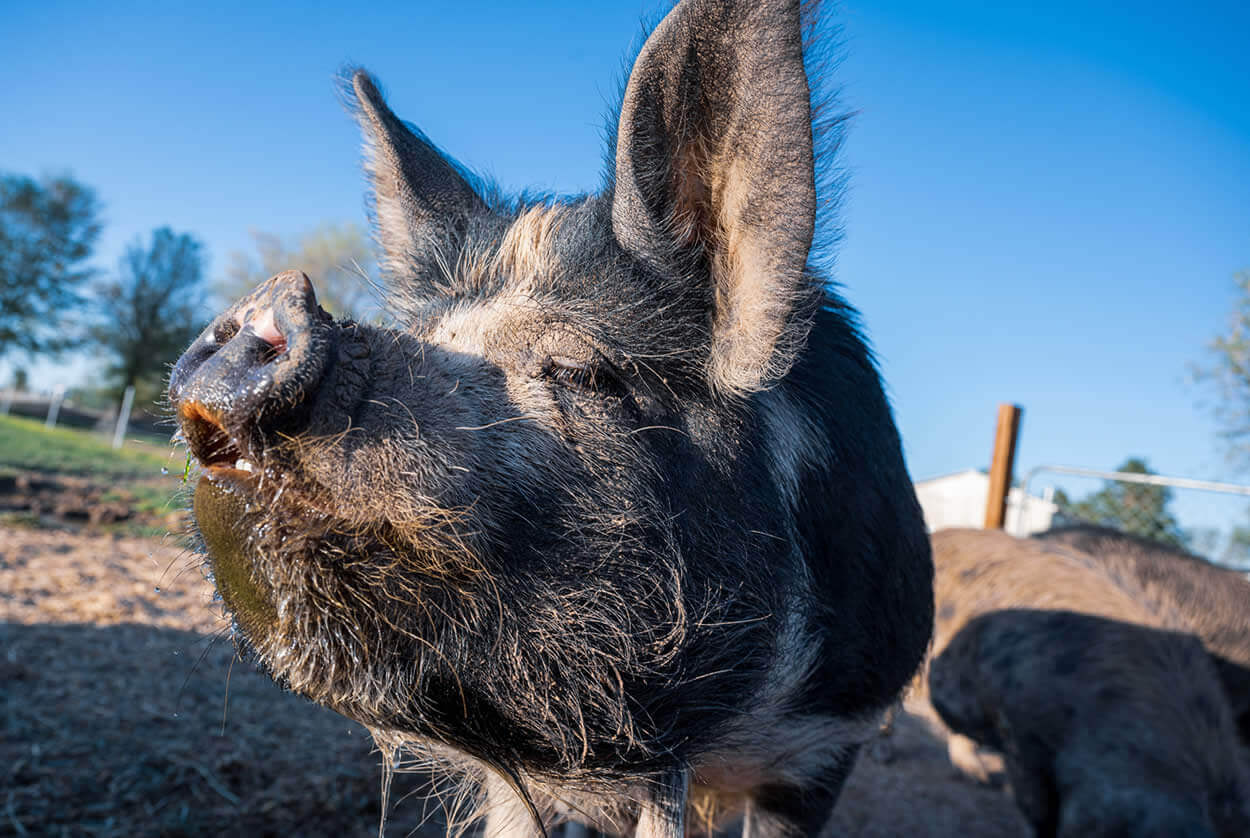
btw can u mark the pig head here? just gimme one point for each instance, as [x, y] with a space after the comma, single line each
[615, 505]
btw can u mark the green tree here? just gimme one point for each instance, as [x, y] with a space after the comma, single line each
[47, 230]
[149, 311]
[1135, 508]
[338, 259]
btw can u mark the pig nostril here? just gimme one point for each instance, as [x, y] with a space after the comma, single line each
[265, 326]
[224, 332]
[272, 352]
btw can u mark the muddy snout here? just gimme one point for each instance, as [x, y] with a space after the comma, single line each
[255, 368]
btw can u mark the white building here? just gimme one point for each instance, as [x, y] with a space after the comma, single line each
[958, 500]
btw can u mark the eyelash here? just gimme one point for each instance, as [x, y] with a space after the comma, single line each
[585, 378]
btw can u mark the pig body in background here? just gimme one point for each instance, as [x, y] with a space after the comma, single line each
[980, 571]
[1091, 571]
[614, 519]
[1185, 590]
[1106, 728]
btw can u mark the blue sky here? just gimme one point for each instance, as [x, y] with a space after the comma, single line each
[1048, 200]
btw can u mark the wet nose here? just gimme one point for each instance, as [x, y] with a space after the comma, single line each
[253, 370]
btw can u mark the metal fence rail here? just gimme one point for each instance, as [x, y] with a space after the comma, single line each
[1207, 517]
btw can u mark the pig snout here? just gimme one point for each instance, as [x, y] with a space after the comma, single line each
[253, 370]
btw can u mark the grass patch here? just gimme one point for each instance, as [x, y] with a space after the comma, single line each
[144, 478]
[153, 497]
[27, 445]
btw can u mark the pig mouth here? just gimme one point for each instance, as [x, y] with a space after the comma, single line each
[221, 458]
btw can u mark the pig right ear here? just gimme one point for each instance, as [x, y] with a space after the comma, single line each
[421, 201]
[715, 166]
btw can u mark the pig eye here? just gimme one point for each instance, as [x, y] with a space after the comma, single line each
[586, 376]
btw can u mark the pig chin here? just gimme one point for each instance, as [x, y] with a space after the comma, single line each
[219, 512]
[272, 579]
[303, 587]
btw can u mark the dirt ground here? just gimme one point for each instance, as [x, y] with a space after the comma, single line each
[123, 712]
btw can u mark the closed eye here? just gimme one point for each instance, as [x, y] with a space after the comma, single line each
[586, 376]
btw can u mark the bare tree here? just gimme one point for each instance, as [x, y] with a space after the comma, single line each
[1228, 373]
[47, 230]
[337, 257]
[150, 311]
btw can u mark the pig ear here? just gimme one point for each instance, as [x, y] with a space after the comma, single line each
[714, 168]
[421, 200]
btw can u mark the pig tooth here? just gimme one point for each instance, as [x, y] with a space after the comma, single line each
[244, 465]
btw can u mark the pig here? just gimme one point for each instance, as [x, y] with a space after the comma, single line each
[1093, 571]
[613, 520]
[979, 571]
[1107, 728]
[1209, 601]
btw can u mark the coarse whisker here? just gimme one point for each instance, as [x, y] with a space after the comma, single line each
[412, 416]
[662, 379]
[657, 428]
[190, 566]
[225, 701]
[208, 646]
[658, 356]
[310, 446]
[495, 423]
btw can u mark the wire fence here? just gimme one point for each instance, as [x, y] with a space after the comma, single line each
[1208, 518]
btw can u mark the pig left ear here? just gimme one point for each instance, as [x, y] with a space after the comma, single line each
[421, 201]
[714, 166]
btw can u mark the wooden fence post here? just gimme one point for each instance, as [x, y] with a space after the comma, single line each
[1002, 464]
